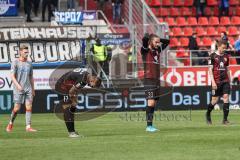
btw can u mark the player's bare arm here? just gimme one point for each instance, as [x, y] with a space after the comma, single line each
[32, 84]
[73, 91]
[214, 85]
[15, 82]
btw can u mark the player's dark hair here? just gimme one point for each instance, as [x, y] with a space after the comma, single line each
[98, 82]
[224, 33]
[152, 36]
[221, 42]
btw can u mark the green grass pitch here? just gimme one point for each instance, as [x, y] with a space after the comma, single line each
[122, 136]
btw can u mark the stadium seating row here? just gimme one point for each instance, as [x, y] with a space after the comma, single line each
[202, 21]
[185, 11]
[202, 42]
[186, 3]
[203, 31]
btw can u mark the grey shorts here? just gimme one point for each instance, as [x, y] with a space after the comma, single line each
[21, 97]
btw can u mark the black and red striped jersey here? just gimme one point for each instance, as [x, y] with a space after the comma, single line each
[220, 64]
[77, 77]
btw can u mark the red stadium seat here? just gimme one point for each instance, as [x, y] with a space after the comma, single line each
[185, 11]
[221, 29]
[194, 11]
[233, 2]
[174, 42]
[232, 31]
[184, 41]
[155, 3]
[161, 20]
[199, 41]
[163, 12]
[166, 3]
[238, 11]
[182, 53]
[208, 11]
[216, 11]
[192, 21]
[177, 31]
[181, 21]
[225, 21]
[212, 2]
[178, 3]
[174, 12]
[214, 21]
[203, 21]
[232, 41]
[206, 41]
[211, 31]
[170, 21]
[235, 20]
[200, 31]
[231, 11]
[188, 31]
[188, 3]
[155, 12]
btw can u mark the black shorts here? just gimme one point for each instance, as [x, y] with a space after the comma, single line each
[152, 89]
[223, 88]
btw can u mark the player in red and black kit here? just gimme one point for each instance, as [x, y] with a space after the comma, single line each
[67, 88]
[151, 49]
[220, 78]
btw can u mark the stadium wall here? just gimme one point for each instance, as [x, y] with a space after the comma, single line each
[112, 99]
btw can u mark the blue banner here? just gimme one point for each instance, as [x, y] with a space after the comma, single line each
[74, 17]
[8, 8]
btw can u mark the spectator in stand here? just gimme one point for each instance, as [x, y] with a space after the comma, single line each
[200, 7]
[224, 37]
[237, 48]
[99, 57]
[35, 6]
[117, 7]
[223, 7]
[203, 55]
[71, 5]
[193, 47]
[52, 6]
[101, 4]
[47, 4]
[27, 9]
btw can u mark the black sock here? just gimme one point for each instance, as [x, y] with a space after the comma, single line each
[69, 118]
[149, 115]
[13, 116]
[209, 109]
[225, 111]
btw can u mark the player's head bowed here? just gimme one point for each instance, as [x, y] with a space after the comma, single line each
[94, 81]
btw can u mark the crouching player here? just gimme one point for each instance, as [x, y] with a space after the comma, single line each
[219, 74]
[68, 87]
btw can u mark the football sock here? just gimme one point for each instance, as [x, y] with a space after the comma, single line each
[13, 116]
[149, 115]
[225, 111]
[209, 109]
[28, 117]
[69, 118]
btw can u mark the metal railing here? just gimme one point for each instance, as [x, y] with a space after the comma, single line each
[178, 58]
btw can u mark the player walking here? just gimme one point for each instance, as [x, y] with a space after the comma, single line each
[220, 78]
[151, 49]
[23, 89]
[67, 87]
